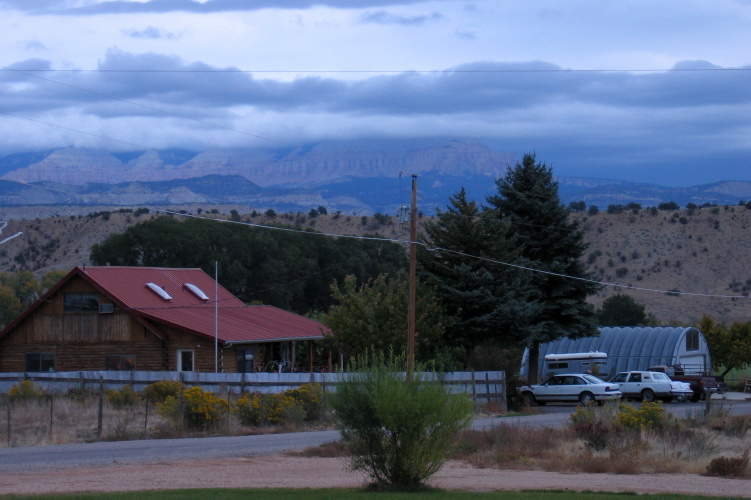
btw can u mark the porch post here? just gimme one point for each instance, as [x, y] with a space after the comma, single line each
[310, 356]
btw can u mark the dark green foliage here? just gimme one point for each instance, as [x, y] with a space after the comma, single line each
[577, 206]
[593, 209]
[374, 317]
[399, 431]
[615, 209]
[621, 310]
[291, 270]
[490, 301]
[669, 205]
[553, 243]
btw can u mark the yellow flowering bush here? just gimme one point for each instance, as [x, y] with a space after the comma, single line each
[310, 397]
[125, 396]
[263, 409]
[26, 390]
[158, 391]
[648, 416]
[200, 409]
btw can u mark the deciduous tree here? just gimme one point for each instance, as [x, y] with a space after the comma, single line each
[373, 316]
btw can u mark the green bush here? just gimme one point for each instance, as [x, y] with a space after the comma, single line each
[26, 390]
[399, 431]
[158, 392]
[120, 398]
[596, 427]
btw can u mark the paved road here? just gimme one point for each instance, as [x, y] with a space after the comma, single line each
[103, 453]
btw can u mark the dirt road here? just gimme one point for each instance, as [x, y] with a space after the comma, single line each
[281, 471]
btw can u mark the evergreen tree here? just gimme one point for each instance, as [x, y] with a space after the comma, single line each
[488, 300]
[621, 310]
[528, 199]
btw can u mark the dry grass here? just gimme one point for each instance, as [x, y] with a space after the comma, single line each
[674, 447]
[65, 419]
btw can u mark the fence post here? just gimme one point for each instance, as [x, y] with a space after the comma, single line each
[52, 406]
[10, 403]
[474, 389]
[101, 407]
[487, 387]
[146, 418]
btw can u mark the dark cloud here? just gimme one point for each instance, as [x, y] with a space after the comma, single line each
[588, 119]
[150, 32]
[384, 17]
[63, 7]
[470, 88]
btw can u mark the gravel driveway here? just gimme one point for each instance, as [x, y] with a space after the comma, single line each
[282, 471]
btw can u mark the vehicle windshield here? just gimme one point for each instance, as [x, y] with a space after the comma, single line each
[592, 379]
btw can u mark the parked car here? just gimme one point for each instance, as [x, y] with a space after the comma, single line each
[571, 387]
[701, 382]
[648, 386]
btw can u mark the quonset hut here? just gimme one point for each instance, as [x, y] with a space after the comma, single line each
[634, 348]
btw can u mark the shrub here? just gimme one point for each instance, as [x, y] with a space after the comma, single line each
[264, 409]
[310, 399]
[120, 398]
[26, 390]
[159, 391]
[729, 467]
[648, 416]
[399, 430]
[200, 409]
[594, 426]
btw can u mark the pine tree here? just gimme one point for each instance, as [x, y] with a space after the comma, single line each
[528, 199]
[488, 300]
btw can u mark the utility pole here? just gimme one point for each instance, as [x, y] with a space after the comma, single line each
[412, 282]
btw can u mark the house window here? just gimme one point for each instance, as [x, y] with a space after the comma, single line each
[40, 362]
[185, 360]
[74, 302]
[120, 362]
[692, 340]
[245, 361]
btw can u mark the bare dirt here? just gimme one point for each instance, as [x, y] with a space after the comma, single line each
[282, 471]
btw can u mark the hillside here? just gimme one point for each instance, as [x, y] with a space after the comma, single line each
[707, 251]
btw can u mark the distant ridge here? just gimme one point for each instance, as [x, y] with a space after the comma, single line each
[361, 176]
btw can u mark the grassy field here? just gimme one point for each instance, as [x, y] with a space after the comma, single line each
[346, 494]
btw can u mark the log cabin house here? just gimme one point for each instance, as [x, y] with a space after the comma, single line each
[151, 319]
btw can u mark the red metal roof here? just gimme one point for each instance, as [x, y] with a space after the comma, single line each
[237, 323]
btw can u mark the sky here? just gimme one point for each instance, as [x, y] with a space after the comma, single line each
[634, 90]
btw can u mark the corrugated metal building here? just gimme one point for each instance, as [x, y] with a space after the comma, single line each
[635, 348]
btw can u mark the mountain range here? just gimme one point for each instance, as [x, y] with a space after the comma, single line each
[349, 176]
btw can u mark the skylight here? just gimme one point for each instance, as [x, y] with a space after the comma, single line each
[196, 291]
[159, 291]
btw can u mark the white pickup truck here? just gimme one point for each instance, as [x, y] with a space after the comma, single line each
[649, 386]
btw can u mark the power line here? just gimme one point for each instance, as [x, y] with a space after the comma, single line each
[385, 71]
[434, 248]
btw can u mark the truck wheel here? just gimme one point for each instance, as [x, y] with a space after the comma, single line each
[648, 395]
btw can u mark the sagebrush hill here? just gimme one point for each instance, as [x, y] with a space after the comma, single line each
[680, 264]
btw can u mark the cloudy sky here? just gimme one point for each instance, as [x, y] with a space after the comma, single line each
[636, 90]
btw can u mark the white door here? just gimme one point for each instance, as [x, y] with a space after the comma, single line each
[185, 360]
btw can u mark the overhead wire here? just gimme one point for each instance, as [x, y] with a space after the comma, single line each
[494, 261]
